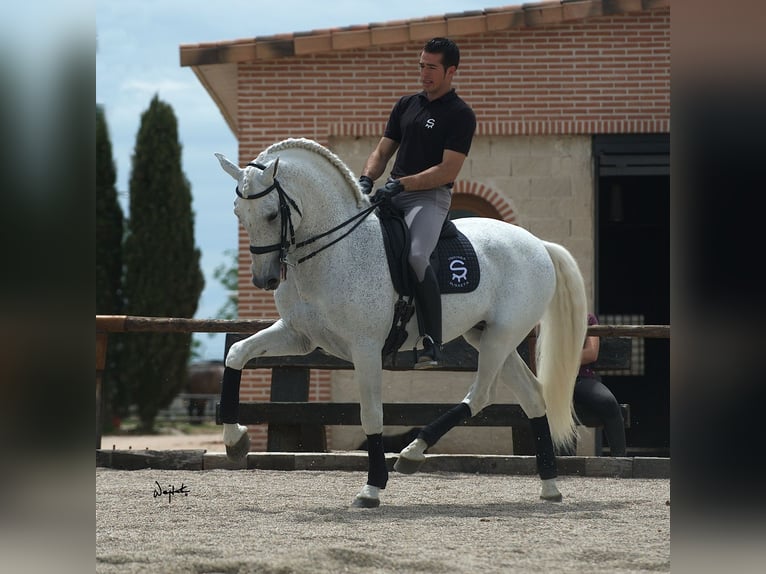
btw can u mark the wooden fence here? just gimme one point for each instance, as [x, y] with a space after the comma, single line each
[106, 324]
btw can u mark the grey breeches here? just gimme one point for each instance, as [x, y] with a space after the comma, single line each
[424, 212]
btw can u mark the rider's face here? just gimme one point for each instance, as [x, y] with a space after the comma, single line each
[436, 81]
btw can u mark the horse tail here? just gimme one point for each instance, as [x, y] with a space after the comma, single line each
[560, 340]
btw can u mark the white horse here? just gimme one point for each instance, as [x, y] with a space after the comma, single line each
[342, 301]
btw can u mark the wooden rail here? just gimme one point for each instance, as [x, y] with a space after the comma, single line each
[106, 324]
[133, 324]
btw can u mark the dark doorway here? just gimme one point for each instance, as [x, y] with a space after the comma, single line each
[633, 275]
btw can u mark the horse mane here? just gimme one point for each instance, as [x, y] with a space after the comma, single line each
[311, 145]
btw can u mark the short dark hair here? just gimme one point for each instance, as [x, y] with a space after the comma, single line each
[447, 48]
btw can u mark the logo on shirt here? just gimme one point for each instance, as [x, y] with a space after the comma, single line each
[430, 122]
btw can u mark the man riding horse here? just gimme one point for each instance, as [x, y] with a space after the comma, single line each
[432, 131]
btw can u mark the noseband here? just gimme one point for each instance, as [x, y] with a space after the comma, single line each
[287, 230]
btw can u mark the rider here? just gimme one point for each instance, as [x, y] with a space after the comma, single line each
[432, 131]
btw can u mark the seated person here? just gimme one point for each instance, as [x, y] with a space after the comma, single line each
[593, 399]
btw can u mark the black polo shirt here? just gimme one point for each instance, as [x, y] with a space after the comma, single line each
[425, 129]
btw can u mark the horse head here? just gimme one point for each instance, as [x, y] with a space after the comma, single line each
[271, 213]
[267, 214]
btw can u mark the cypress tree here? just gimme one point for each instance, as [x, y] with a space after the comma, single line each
[109, 235]
[109, 225]
[162, 265]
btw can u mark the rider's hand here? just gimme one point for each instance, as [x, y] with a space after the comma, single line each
[365, 184]
[392, 188]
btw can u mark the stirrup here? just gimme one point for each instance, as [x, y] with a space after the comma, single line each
[430, 356]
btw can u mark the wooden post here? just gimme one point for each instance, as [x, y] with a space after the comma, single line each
[101, 344]
[291, 384]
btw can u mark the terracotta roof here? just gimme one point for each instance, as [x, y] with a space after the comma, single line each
[403, 31]
[215, 64]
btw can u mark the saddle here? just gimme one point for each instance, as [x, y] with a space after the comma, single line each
[454, 261]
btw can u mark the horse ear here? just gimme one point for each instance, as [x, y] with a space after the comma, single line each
[271, 169]
[232, 169]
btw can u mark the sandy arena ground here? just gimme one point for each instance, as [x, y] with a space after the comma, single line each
[301, 522]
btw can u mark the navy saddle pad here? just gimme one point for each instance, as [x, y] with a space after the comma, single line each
[454, 260]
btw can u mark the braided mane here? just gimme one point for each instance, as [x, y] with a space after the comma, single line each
[311, 145]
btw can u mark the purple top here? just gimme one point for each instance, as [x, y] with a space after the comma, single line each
[585, 370]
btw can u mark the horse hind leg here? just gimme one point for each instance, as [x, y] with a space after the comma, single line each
[481, 393]
[528, 391]
[412, 457]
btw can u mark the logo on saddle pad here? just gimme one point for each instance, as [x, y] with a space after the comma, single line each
[459, 270]
[456, 265]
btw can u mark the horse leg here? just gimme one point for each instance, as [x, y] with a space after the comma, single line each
[413, 455]
[528, 391]
[369, 378]
[235, 437]
[278, 339]
[481, 393]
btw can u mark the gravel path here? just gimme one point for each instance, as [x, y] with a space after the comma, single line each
[300, 522]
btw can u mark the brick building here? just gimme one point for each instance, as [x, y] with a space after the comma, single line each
[572, 100]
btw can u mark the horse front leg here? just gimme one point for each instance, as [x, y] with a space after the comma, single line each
[369, 377]
[276, 340]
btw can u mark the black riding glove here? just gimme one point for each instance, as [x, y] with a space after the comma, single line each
[393, 187]
[365, 184]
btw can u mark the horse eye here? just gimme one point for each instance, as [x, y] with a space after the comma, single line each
[272, 216]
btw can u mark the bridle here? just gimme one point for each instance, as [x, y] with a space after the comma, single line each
[287, 230]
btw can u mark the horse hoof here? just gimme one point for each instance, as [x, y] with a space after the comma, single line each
[239, 450]
[408, 465]
[552, 497]
[364, 502]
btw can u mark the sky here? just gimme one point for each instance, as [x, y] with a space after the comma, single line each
[137, 56]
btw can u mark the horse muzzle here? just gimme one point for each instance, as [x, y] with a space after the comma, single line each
[267, 283]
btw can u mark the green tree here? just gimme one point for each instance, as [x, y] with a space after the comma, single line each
[226, 275]
[109, 235]
[109, 225]
[162, 265]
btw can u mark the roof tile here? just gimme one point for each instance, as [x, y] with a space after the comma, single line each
[464, 26]
[582, 9]
[351, 39]
[390, 35]
[505, 19]
[310, 44]
[621, 6]
[425, 30]
[542, 14]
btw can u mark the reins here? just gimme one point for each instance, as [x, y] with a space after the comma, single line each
[286, 205]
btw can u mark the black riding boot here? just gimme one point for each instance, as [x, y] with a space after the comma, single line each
[429, 304]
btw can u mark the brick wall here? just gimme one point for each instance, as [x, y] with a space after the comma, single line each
[541, 88]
